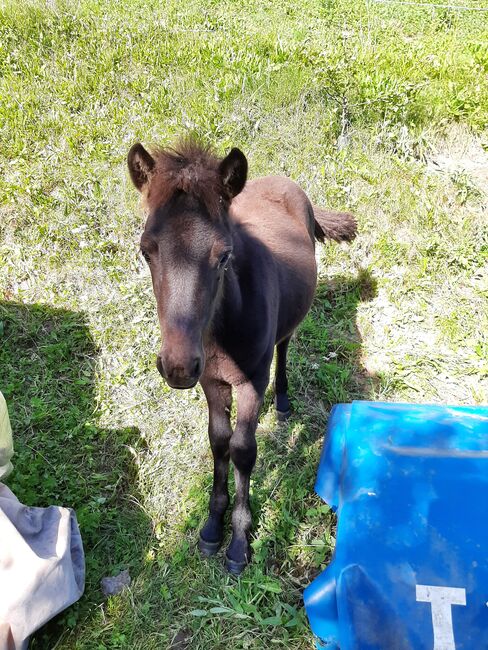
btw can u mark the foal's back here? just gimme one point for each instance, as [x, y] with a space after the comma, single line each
[277, 212]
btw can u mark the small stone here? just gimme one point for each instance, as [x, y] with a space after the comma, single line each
[111, 586]
[181, 640]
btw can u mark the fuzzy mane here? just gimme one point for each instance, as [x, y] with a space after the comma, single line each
[189, 167]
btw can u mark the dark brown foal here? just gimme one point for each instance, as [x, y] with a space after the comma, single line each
[233, 271]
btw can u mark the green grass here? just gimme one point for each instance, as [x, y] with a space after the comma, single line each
[381, 109]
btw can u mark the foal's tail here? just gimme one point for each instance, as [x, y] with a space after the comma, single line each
[339, 226]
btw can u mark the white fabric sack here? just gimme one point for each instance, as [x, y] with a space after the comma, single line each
[42, 566]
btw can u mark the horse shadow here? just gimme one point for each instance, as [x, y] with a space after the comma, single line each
[324, 368]
[61, 456]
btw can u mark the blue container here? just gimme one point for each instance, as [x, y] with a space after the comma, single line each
[409, 483]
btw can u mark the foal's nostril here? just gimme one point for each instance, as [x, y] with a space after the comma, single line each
[159, 365]
[197, 367]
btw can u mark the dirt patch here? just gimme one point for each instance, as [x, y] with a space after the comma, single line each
[461, 153]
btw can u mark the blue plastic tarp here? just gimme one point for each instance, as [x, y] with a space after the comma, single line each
[409, 483]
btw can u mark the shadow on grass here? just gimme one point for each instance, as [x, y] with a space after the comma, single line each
[324, 369]
[180, 601]
[47, 375]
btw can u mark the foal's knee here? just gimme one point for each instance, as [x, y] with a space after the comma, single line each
[243, 451]
[220, 446]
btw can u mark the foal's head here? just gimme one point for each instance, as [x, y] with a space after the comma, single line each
[187, 244]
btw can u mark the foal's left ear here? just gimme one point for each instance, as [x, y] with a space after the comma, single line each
[141, 164]
[233, 171]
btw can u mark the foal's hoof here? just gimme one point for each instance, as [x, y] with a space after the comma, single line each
[233, 567]
[207, 549]
[282, 406]
[283, 415]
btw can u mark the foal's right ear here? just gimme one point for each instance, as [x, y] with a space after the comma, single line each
[140, 164]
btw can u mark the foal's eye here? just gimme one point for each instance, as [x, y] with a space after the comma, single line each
[224, 258]
[145, 255]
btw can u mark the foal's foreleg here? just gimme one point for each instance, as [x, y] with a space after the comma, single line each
[243, 455]
[219, 398]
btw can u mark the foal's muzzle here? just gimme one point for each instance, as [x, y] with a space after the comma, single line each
[182, 374]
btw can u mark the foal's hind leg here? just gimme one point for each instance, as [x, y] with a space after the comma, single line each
[282, 403]
[219, 398]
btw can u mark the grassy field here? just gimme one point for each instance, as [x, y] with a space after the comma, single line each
[375, 107]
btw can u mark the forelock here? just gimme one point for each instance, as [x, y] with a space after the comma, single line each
[189, 167]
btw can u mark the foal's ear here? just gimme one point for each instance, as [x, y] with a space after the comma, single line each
[233, 171]
[140, 164]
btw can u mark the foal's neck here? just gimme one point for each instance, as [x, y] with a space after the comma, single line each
[229, 313]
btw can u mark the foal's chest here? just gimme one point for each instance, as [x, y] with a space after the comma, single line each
[220, 366]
